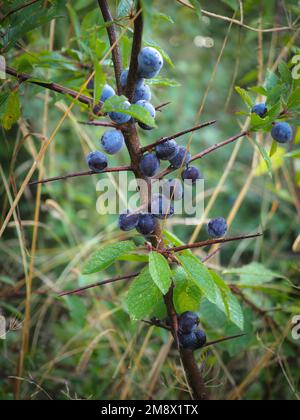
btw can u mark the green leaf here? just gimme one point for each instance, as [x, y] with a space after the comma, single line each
[9, 110]
[78, 311]
[265, 157]
[175, 241]
[116, 104]
[271, 81]
[274, 148]
[232, 307]
[99, 81]
[160, 272]
[294, 100]
[260, 90]
[254, 274]
[124, 8]
[186, 296]
[197, 6]
[162, 51]
[105, 257]
[7, 280]
[285, 73]
[200, 275]
[245, 96]
[160, 81]
[294, 154]
[143, 296]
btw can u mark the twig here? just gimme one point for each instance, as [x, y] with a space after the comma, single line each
[235, 21]
[157, 323]
[223, 340]
[219, 145]
[17, 9]
[101, 283]
[213, 242]
[116, 54]
[23, 77]
[136, 48]
[79, 174]
[160, 107]
[99, 124]
[175, 136]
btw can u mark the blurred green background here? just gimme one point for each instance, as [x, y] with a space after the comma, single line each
[85, 346]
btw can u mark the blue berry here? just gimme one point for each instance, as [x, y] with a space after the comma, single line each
[147, 224]
[150, 108]
[128, 221]
[107, 93]
[172, 189]
[97, 161]
[192, 173]
[282, 132]
[161, 207]
[260, 109]
[112, 141]
[149, 164]
[150, 62]
[217, 228]
[188, 322]
[201, 338]
[167, 150]
[142, 93]
[124, 77]
[119, 118]
[182, 158]
[91, 85]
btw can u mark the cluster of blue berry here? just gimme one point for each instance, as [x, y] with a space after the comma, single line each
[112, 142]
[190, 335]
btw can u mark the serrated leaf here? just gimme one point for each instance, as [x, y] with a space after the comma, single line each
[254, 274]
[200, 275]
[186, 296]
[143, 296]
[245, 96]
[124, 8]
[106, 256]
[231, 304]
[160, 272]
[141, 114]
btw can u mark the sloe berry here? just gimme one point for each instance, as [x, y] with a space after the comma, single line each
[217, 228]
[167, 150]
[97, 161]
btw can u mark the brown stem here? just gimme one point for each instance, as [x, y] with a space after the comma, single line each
[23, 77]
[194, 375]
[136, 48]
[112, 35]
[79, 174]
[175, 136]
[99, 124]
[213, 242]
[101, 283]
